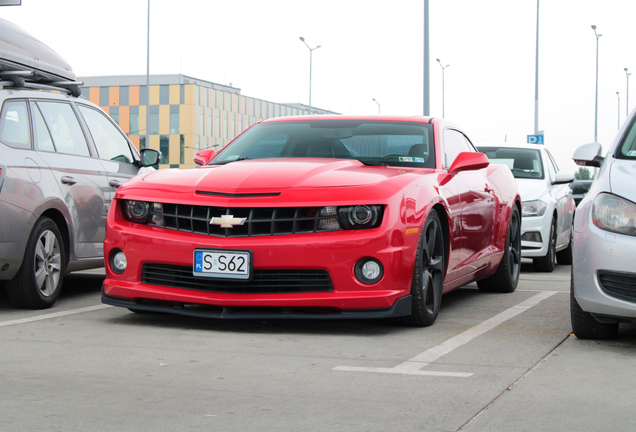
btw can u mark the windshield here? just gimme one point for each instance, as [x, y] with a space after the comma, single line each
[627, 149]
[370, 142]
[524, 163]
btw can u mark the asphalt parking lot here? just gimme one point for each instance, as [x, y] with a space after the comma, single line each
[491, 362]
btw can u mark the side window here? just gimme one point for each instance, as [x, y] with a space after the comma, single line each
[64, 128]
[110, 143]
[14, 125]
[41, 136]
[454, 144]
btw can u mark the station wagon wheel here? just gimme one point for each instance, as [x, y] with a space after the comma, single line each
[38, 283]
[428, 274]
[506, 277]
[548, 262]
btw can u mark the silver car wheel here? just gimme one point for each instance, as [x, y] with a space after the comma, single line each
[47, 263]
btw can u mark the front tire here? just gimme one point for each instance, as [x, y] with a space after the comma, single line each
[428, 274]
[38, 283]
[584, 325]
[548, 262]
[506, 278]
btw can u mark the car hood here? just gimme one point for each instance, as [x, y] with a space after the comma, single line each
[531, 189]
[274, 174]
[622, 178]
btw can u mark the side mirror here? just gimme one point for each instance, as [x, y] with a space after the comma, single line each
[563, 177]
[588, 155]
[202, 157]
[469, 161]
[149, 157]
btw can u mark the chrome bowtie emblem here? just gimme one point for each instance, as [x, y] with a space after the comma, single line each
[227, 221]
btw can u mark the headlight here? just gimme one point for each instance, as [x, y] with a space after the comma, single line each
[533, 208]
[614, 214]
[360, 216]
[136, 211]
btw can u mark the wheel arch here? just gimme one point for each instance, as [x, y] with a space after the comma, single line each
[443, 216]
[58, 218]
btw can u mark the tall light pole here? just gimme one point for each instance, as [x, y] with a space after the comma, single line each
[147, 143]
[596, 99]
[427, 87]
[536, 80]
[311, 51]
[443, 67]
[627, 74]
[619, 109]
[373, 99]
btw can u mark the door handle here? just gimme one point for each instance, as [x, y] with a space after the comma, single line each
[115, 183]
[68, 180]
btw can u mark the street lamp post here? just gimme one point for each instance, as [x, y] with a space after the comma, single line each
[596, 99]
[373, 99]
[443, 67]
[311, 51]
[627, 74]
[619, 109]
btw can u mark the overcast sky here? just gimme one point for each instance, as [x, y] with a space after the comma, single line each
[372, 49]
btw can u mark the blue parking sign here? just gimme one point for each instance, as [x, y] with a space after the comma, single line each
[535, 139]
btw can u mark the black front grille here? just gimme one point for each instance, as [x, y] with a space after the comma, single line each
[263, 281]
[619, 285]
[258, 221]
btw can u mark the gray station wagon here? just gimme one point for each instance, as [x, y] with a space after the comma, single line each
[61, 160]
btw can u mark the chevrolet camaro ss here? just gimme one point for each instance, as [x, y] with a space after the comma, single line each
[317, 217]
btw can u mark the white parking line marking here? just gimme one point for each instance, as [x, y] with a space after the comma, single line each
[413, 365]
[53, 315]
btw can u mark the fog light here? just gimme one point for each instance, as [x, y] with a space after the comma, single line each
[118, 262]
[533, 236]
[369, 270]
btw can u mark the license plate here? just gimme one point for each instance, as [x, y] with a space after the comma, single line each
[230, 264]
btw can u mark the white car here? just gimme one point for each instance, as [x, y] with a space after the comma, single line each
[603, 283]
[548, 206]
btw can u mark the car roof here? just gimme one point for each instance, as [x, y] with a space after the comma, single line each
[27, 62]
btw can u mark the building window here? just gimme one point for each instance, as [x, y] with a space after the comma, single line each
[164, 147]
[182, 149]
[143, 95]
[209, 131]
[174, 119]
[182, 94]
[124, 96]
[201, 120]
[154, 119]
[217, 132]
[86, 92]
[103, 96]
[164, 95]
[134, 120]
[114, 113]
[226, 126]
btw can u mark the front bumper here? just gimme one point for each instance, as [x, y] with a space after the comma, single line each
[598, 254]
[333, 252]
[541, 224]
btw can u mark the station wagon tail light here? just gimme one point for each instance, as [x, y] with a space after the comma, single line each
[614, 214]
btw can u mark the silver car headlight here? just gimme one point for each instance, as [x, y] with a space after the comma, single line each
[614, 214]
[533, 208]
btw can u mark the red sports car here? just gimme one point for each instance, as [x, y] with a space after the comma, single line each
[317, 217]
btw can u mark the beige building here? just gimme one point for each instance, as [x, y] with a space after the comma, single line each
[186, 114]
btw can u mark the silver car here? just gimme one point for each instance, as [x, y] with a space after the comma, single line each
[548, 205]
[603, 283]
[61, 160]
